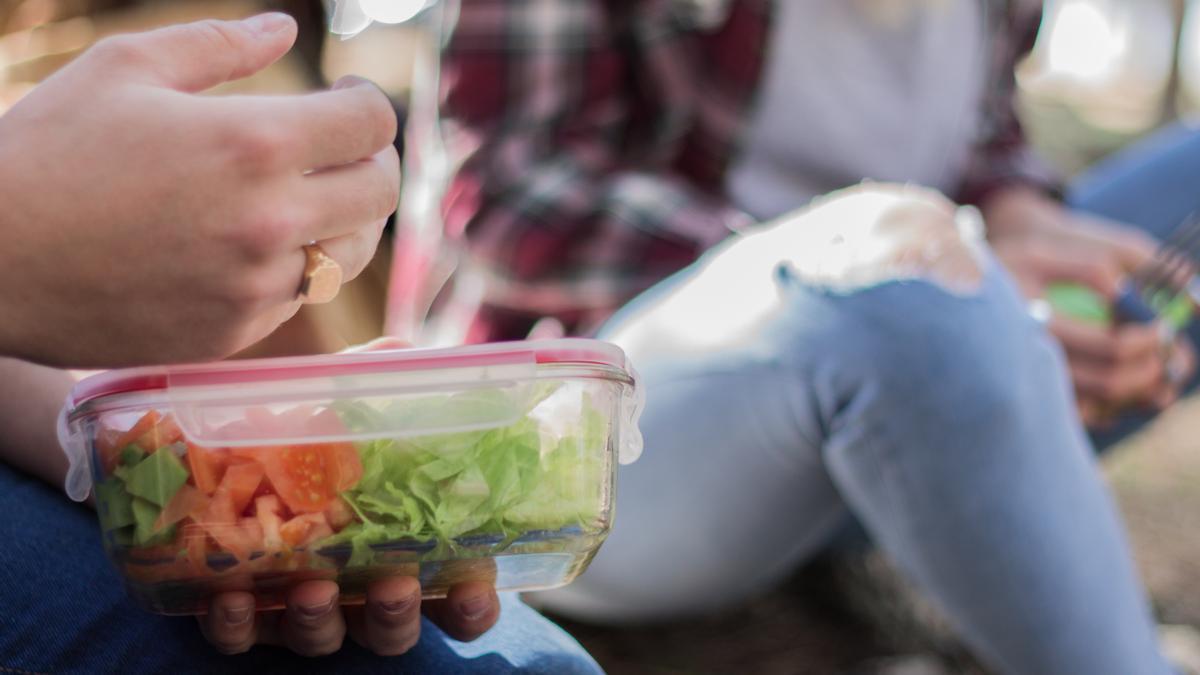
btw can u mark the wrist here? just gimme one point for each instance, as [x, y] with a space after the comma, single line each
[1020, 210]
[12, 320]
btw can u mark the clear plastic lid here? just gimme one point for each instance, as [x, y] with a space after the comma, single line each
[209, 400]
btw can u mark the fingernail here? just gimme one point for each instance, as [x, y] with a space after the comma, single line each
[315, 611]
[348, 81]
[476, 607]
[236, 616]
[398, 606]
[270, 23]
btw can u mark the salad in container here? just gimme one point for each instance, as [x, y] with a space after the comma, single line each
[492, 463]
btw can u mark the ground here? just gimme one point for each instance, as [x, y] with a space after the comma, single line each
[853, 616]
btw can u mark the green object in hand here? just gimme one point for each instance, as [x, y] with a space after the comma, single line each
[1176, 311]
[1079, 302]
[1083, 304]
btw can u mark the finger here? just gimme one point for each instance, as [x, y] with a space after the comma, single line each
[1139, 381]
[1089, 411]
[352, 121]
[379, 344]
[342, 198]
[1095, 414]
[1092, 268]
[1113, 345]
[1165, 398]
[229, 625]
[468, 611]
[312, 624]
[269, 319]
[197, 56]
[1131, 247]
[1180, 367]
[353, 252]
[389, 624]
[1185, 358]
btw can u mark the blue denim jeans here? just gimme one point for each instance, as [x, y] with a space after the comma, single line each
[943, 422]
[63, 610]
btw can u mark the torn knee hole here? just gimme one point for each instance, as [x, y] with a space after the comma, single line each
[853, 246]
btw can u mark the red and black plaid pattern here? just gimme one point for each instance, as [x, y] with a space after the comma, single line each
[592, 139]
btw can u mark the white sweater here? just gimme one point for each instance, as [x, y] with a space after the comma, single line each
[852, 91]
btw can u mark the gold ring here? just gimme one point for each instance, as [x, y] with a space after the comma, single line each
[322, 277]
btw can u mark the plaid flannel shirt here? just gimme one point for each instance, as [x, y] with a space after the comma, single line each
[592, 139]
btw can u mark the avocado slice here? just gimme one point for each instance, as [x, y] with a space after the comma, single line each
[145, 514]
[116, 506]
[132, 454]
[122, 537]
[156, 478]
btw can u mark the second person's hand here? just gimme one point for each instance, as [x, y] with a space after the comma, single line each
[1111, 367]
[172, 223]
[388, 624]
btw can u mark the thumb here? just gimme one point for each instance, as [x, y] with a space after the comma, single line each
[197, 56]
[1092, 269]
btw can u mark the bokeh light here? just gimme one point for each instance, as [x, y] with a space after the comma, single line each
[1189, 60]
[392, 11]
[1084, 42]
[351, 17]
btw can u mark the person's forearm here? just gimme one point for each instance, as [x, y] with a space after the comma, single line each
[31, 398]
[1020, 209]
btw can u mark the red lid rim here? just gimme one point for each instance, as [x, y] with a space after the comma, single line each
[567, 351]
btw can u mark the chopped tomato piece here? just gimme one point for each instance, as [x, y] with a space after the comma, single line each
[165, 432]
[195, 540]
[297, 418]
[326, 423]
[262, 420]
[252, 531]
[300, 474]
[107, 449]
[222, 517]
[269, 503]
[207, 467]
[267, 510]
[139, 429]
[188, 501]
[339, 514]
[347, 466]
[305, 529]
[235, 538]
[239, 485]
[318, 532]
[163, 551]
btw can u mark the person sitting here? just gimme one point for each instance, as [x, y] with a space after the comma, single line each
[145, 224]
[682, 178]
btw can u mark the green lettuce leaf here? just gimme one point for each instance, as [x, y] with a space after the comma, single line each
[548, 470]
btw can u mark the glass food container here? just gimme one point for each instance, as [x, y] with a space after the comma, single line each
[492, 462]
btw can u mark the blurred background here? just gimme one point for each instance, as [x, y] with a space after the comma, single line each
[1103, 74]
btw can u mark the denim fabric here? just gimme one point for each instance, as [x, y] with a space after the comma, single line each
[1154, 185]
[63, 610]
[944, 423]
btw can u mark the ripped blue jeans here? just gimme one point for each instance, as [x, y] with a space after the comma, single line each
[942, 421]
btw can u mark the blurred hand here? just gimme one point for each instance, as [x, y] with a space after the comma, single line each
[144, 223]
[389, 624]
[1040, 242]
[313, 624]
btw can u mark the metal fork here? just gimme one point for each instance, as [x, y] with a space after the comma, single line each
[1155, 289]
